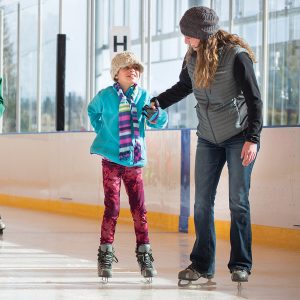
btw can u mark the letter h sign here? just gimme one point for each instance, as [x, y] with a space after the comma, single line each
[123, 43]
[119, 40]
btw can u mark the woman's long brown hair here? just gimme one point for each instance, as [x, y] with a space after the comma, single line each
[207, 56]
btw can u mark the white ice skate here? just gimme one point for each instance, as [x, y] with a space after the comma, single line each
[145, 261]
[106, 256]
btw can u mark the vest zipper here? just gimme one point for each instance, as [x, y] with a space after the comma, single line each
[208, 117]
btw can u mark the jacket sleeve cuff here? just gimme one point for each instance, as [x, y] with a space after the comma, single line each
[252, 139]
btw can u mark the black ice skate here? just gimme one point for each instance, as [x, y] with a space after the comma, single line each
[2, 226]
[189, 275]
[239, 276]
[106, 256]
[145, 261]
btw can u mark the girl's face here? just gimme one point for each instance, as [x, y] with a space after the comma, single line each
[129, 75]
[194, 43]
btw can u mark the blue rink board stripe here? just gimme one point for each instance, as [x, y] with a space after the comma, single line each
[185, 180]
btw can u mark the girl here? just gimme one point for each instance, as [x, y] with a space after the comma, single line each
[118, 114]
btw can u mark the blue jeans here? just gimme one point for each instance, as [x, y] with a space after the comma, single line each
[210, 160]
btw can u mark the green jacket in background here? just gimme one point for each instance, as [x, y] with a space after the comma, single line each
[2, 107]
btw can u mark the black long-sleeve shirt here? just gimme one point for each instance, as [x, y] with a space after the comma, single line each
[244, 75]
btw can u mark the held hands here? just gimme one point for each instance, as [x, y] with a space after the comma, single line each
[154, 103]
[151, 112]
[248, 153]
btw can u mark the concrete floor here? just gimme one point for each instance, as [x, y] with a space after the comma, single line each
[53, 257]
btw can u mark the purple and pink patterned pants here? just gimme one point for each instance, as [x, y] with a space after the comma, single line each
[113, 174]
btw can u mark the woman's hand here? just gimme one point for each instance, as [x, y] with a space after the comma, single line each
[154, 103]
[248, 154]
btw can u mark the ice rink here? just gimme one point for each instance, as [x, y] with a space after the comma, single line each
[53, 257]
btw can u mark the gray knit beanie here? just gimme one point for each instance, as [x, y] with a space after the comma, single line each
[199, 22]
[122, 60]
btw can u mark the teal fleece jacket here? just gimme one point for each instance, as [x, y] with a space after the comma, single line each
[103, 112]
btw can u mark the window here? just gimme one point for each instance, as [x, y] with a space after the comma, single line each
[10, 67]
[48, 67]
[28, 67]
[74, 26]
[284, 61]
[245, 18]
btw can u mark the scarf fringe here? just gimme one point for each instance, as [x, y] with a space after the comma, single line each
[137, 152]
[124, 155]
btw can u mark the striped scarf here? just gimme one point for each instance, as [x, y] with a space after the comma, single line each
[128, 112]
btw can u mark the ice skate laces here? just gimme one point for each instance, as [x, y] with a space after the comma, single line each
[145, 260]
[106, 258]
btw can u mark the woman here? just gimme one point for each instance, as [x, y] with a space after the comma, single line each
[218, 69]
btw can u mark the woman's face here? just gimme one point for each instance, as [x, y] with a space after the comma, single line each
[193, 42]
[129, 75]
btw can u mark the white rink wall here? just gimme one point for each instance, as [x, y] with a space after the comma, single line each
[58, 166]
[275, 183]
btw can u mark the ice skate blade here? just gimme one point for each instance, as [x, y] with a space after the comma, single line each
[208, 283]
[186, 283]
[239, 289]
[148, 280]
[104, 276]
[104, 280]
